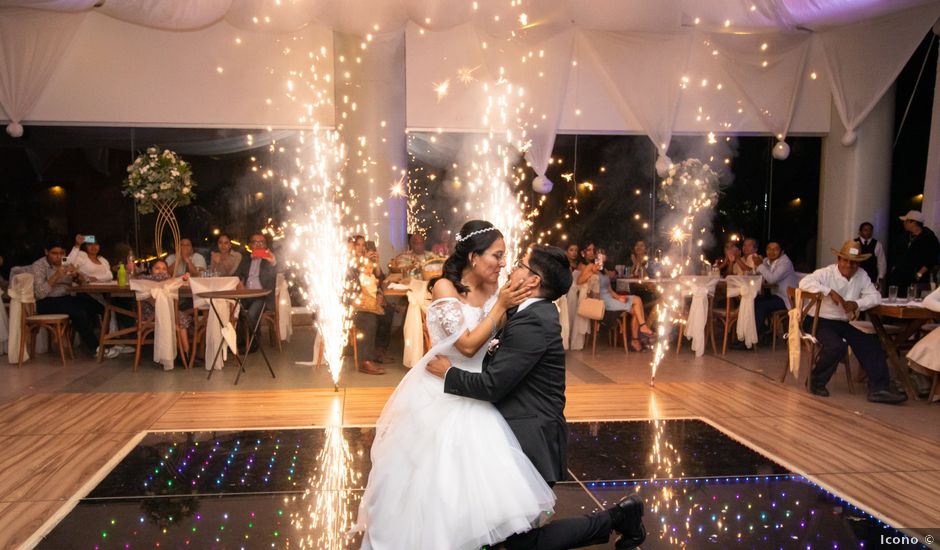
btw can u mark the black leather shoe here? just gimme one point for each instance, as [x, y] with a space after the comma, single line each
[627, 519]
[887, 396]
[821, 391]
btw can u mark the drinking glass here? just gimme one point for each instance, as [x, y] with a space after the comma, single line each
[912, 293]
[892, 294]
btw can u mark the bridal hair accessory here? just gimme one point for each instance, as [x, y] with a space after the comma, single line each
[461, 238]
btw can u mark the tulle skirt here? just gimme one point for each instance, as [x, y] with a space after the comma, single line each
[447, 473]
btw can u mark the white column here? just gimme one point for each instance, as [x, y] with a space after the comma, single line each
[931, 203]
[855, 182]
[373, 132]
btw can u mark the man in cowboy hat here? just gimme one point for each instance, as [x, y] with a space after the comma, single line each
[919, 255]
[847, 291]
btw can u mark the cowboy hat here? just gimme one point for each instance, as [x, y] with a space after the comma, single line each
[851, 251]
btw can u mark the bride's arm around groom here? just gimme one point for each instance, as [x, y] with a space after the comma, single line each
[524, 376]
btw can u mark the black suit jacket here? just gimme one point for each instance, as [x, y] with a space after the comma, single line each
[525, 379]
[267, 275]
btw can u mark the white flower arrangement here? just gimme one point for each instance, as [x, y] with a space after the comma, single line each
[159, 177]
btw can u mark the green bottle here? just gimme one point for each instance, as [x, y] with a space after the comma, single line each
[122, 275]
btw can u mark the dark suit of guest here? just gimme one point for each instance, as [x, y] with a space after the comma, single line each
[257, 273]
[525, 379]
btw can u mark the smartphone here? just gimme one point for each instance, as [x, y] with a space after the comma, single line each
[259, 253]
[89, 239]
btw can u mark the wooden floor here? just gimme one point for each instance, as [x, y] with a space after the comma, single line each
[54, 444]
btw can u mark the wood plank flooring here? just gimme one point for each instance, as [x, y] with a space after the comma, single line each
[55, 443]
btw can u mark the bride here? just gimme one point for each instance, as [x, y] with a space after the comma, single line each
[447, 472]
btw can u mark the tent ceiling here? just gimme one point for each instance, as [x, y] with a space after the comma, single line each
[365, 16]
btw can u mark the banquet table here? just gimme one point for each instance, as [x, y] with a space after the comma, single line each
[911, 317]
[121, 336]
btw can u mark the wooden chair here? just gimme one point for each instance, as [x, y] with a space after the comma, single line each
[729, 314]
[31, 323]
[272, 318]
[619, 329]
[57, 324]
[811, 303]
[146, 328]
[778, 320]
[685, 301]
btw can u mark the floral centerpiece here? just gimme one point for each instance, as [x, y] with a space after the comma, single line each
[159, 182]
[157, 177]
[690, 183]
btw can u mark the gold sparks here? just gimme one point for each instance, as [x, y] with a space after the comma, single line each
[465, 74]
[441, 89]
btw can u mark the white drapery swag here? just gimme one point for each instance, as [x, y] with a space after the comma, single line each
[164, 315]
[21, 292]
[215, 331]
[418, 300]
[865, 58]
[699, 288]
[795, 334]
[284, 327]
[768, 76]
[642, 74]
[747, 287]
[32, 43]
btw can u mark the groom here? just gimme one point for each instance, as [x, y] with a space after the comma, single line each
[525, 378]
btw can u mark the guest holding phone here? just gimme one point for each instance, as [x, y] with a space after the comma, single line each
[259, 272]
[85, 257]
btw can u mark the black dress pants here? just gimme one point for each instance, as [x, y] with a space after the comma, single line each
[835, 337]
[564, 533]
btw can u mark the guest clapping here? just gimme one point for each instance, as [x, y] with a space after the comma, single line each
[186, 261]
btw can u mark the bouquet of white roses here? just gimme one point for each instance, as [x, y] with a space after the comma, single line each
[157, 177]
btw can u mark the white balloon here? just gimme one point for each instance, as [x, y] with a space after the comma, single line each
[542, 185]
[849, 138]
[663, 164]
[781, 150]
[15, 129]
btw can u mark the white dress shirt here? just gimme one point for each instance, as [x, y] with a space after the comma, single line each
[527, 302]
[858, 289]
[779, 272]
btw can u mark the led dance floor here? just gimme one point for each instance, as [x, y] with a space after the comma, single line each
[301, 488]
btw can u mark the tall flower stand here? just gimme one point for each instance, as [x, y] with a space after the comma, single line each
[166, 217]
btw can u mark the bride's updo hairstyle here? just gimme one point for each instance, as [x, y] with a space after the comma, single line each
[475, 237]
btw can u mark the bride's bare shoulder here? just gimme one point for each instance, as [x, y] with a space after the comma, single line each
[444, 288]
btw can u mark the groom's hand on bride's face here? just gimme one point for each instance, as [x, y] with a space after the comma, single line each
[438, 366]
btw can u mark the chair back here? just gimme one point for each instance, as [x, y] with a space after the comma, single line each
[691, 285]
[748, 285]
[198, 285]
[21, 287]
[810, 304]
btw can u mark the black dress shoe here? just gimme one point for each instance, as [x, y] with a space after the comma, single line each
[887, 396]
[821, 391]
[627, 519]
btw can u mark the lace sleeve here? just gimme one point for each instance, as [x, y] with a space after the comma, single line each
[444, 318]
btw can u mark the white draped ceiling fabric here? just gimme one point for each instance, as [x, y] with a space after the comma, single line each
[640, 49]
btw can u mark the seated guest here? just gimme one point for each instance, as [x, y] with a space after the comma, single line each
[749, 254]
[160, 272]
[847, 291]
[224, 262]
[51, 282]
[776, 269]
[877, 266]
[84, 256]
[639, 261]
[442, 245]
[616, 303]
[731, 263]
[411, 262]
[189, 262]
[919, 256]
[256, 273]
[369, 307]
[587, 285]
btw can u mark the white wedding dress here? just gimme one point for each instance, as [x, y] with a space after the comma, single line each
[447, 472]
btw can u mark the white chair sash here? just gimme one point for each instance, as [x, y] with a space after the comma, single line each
[21, 292]
[699, 288]
[412, 329]
[285, 327]
[4, 329]
[562, 305]
[794, 334]
[747, 287]
[164, 315]
[215, 331]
